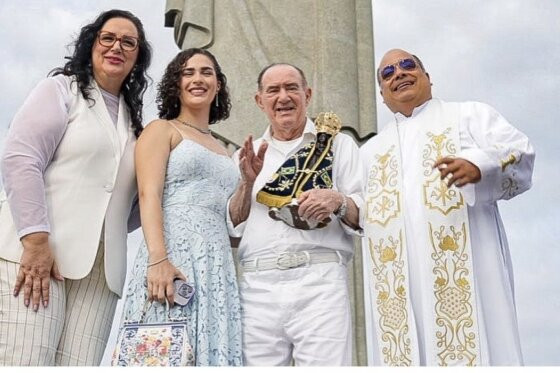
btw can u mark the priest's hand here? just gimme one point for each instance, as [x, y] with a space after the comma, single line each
[458, 171]
[251, 163]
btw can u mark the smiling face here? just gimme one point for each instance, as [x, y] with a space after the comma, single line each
[284, 97]
[405, 89]
[199, 83]
[111, 65]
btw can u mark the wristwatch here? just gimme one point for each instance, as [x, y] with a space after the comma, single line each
[341, 212]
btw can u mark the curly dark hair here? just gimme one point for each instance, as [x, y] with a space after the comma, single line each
[169, 90]
[79, 64]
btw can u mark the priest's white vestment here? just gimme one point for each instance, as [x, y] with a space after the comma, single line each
[437, 269]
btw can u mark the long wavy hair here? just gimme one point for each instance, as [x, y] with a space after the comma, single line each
[169, 90]
[80, 66]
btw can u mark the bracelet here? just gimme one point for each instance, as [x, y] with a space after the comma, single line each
[341, 212]
[157, 261]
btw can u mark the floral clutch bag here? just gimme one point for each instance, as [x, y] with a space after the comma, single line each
[157, 344]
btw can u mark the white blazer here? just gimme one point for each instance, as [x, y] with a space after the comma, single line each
[90, 181]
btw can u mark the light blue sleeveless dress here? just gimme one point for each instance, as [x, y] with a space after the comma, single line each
[198, 184]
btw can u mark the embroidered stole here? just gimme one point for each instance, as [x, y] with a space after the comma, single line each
[452, 336]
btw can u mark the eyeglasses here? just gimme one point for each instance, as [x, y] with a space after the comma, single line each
[405, 64]
[108, 39]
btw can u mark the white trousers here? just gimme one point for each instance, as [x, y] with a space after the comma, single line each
[301, 313]
[72, 330]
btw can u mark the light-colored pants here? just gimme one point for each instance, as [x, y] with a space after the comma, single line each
[72, 330]
[301, 313]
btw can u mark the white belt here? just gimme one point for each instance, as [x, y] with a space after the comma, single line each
[289, 260]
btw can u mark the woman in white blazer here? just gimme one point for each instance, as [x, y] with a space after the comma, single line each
[69, 180]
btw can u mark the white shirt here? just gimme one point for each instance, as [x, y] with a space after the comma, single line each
[265, 237]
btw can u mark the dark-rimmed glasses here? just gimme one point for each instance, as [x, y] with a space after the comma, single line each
[405, 64]
[108, 39]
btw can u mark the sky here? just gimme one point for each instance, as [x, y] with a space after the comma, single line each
[501, 52]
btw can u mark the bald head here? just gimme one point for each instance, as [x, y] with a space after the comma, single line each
[382, 64]
[408, 86]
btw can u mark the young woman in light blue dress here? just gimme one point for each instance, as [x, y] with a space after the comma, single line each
[185, 178]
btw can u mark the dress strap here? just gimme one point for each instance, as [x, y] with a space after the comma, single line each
[174, 126]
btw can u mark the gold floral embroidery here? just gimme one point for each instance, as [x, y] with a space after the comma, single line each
[387, 258]
[440, 282]
[508, 161]
[388, 254]
[448, 243]
[455, 317]
[384, 172]
[456, 336]
[383, 295]
[384, 203]
[463, 283]
[433, 151]
[389, 269]
[437, 195]
[510, 186]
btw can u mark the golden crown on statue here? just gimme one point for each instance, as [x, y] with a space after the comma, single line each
[328, 122]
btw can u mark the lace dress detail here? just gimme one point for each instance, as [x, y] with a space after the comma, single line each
[197, 185]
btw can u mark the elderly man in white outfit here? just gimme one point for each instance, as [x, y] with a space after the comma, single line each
[294, 310]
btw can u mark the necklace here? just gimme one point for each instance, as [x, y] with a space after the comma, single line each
[203, 131]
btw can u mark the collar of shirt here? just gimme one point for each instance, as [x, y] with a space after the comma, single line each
[399, 117]
[309, 134]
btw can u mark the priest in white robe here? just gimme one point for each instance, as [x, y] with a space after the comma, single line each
[439, 280]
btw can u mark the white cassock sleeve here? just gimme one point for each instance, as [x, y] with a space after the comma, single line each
[503, 154]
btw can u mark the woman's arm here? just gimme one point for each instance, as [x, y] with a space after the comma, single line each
[34, 135]
[35, 132]
[151, 157]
